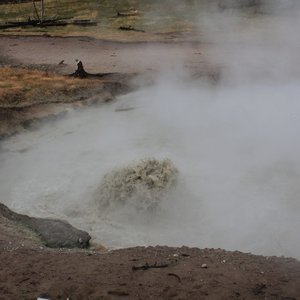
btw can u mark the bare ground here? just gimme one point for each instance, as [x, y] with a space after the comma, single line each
[123, 61]
[103, 56]
[29, 270]
[146, 273]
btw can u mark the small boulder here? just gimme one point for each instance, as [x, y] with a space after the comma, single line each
[54, 233]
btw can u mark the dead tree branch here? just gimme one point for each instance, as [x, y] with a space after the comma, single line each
[147, 267]
[36, 11]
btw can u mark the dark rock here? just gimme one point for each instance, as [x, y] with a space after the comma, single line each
[54, 233]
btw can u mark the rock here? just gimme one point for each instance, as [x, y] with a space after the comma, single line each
[54, 233]
[58, 233]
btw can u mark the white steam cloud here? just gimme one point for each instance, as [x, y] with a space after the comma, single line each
[236, 146]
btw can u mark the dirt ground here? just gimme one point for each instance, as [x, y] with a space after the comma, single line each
[146, 273]
[103, 56]
[29, 270]
[128, 65]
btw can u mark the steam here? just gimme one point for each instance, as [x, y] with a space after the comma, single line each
[236, 146]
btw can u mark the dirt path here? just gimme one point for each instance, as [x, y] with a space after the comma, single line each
[102, 56]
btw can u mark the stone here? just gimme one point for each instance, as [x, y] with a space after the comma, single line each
[53, 233]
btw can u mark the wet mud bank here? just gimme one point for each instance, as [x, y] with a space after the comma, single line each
[19, 118]
[52, 233]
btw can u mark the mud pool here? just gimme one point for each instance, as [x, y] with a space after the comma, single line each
[236, 149]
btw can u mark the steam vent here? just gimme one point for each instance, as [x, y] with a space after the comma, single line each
[140, 185]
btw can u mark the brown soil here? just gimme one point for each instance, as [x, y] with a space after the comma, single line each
[100, 56]
[29, 270]
[146, 273]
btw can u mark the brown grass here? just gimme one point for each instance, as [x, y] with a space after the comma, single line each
[21, 87]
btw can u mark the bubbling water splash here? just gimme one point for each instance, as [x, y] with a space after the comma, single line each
[140, 185]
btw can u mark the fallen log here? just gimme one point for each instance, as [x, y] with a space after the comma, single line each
[47, 23]
[147, 267]
[13, 1]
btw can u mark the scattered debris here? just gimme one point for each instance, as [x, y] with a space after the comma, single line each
[130, 28]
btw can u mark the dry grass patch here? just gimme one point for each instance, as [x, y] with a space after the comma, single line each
[21, 88]
[153, 16]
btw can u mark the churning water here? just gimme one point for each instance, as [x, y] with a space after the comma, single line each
[236, 150]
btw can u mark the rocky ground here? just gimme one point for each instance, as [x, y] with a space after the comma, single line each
[145, 273]
[28, 269]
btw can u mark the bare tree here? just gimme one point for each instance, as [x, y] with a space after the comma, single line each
[42, 11]
[39, 16]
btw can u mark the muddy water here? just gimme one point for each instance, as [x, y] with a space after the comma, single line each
[236, 149]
